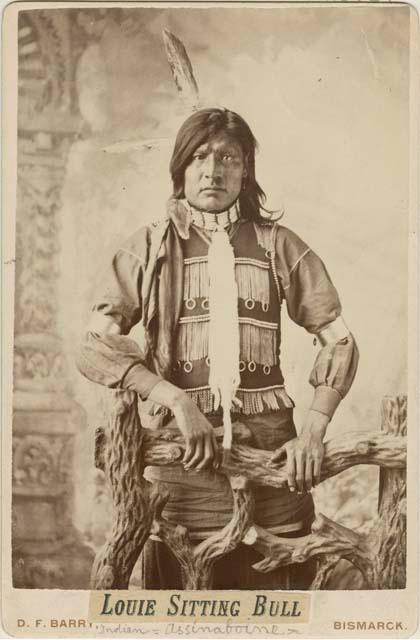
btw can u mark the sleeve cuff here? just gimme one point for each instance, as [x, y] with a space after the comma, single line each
[140, 380]
[326, 400]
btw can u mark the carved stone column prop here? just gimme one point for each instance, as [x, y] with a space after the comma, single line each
[47, 550]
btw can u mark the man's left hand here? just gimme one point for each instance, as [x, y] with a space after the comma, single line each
[304, 454]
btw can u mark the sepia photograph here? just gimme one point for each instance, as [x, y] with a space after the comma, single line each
[211, 309]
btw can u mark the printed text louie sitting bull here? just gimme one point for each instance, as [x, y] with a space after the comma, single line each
[179, 606]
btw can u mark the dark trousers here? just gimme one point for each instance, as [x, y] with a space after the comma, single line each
[161, 570]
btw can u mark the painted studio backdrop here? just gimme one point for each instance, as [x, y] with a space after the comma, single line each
[325, 91]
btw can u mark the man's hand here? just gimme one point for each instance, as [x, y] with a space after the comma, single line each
[305, 453]
[201, 446]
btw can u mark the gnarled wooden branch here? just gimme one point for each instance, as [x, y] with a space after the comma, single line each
[134, 499]
[380, 555]
[126, 449]
[325, 568]
[327, 537]
[391, 530]
[166, 447]
[197, 561]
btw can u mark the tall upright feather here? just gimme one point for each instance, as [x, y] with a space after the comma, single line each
[181, 69]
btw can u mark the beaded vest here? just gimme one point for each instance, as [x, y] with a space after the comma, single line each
[262, 386]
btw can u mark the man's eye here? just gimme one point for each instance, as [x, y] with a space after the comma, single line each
[199, 156]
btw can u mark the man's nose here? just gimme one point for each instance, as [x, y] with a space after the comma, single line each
[213, 167]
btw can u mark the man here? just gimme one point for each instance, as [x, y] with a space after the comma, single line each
[207, 284]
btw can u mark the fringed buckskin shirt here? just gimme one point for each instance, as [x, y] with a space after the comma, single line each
[159, 277]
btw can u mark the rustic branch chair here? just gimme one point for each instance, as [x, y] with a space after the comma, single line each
[124, 449]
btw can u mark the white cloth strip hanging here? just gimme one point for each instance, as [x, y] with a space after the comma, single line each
[224, 328]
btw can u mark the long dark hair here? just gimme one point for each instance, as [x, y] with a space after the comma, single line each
[195, 131]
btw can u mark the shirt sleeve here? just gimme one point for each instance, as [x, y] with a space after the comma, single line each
[313, 303]
[107, 355]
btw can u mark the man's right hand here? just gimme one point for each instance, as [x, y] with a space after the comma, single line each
[201, 449]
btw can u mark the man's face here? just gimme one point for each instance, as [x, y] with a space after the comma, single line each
[213, 179]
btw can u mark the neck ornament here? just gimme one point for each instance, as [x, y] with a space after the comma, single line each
[213, 221]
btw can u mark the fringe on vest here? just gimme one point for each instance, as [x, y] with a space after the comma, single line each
[203, 398]
[252, 400]
[193, 338]
[253, 281]
[257, 342]
[196, 278]
[257, 401]
[252, 278]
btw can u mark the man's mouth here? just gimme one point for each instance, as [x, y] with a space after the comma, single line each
[210, 189]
